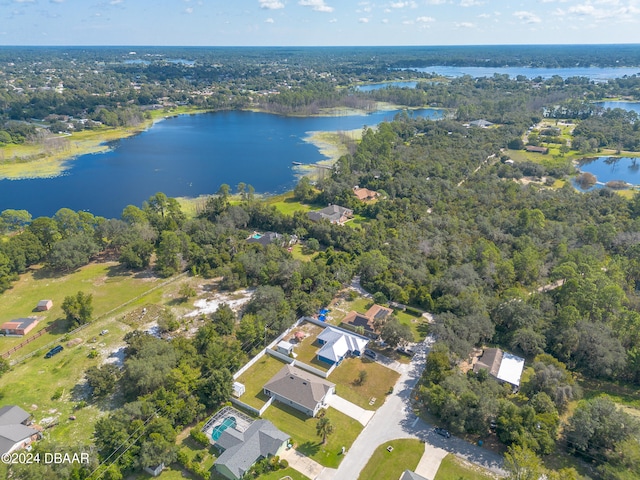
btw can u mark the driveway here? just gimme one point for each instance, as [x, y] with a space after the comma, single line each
[351, 409]
[430, 462]
[302, 463]
[395, 419]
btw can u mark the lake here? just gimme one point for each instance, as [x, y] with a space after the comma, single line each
[629, 106]
[188, 155]
[607, 169]
[594, 73]
[378, 86]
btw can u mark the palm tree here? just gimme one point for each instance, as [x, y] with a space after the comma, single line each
[324, 428]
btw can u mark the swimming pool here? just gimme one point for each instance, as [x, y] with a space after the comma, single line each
[226, 423]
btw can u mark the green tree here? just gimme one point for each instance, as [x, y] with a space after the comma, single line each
[78, 308]
[224, 319]
[521, 463]
[102, 380]
[394, 333]
[324, 428]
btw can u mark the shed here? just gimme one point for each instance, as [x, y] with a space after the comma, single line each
[44, 305]
[285, 347]
[238, 389]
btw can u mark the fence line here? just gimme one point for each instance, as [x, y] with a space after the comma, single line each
[81, 327]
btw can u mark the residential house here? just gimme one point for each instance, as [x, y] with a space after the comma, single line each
[482, 123]
[337, 344]
[266, 238]
[44, 305]
[368, 321]
[299, 389]
[364, 194]
[240, 450]
[536, 149]
[15, 429]
[18, 327]
[334, 213]
[503, 366]
[409, 475]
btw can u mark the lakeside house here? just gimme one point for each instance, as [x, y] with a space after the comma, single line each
[299, 389]
[377, 314]
[15, 429]
[266, 238]
[503, 366]
[334, 213]
[481, 123]
[18, 327]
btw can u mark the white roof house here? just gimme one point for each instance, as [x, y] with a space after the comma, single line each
[337, 344]
[510, 369]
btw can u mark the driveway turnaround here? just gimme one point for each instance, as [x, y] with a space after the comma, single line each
[351, 409]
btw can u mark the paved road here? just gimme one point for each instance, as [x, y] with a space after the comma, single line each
[394, 420]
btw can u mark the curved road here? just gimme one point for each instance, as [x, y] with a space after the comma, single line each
[395, 419]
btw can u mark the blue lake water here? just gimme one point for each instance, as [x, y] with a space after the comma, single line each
[607, 169]
[629, 106]
[189, 155]
[593, 73]
[378, 86]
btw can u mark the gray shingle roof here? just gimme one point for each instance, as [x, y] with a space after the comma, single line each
[12, 430]
[409, 475]
[299, 386]
[12, 414]
[333, 213]
[261, 439]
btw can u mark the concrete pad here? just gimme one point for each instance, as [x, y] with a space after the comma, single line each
[327, 474]
[302, 463]
[430, 461]
[351, 409]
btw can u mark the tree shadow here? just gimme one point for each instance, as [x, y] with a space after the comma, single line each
[44, 273]
[119, 271]
[309, 448]
[81, 392]
[59, 326]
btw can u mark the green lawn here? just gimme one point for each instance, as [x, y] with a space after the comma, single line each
[255, 378]
[378, 381]
[287, 204]
[303, 432]
[109, 284]
[453, 468]
[415, 323]
[280, 474]
[297, 252]
[386, 465]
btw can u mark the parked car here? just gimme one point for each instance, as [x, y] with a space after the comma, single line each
[370, 353]
[54, 351]
[442, 431]
[406, 351]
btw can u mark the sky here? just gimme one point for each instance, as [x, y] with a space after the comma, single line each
[318, 22]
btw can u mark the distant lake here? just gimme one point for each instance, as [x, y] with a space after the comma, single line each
[593, 73]
[629, 106]
[378, 86]
[189, 155]
[607, 169]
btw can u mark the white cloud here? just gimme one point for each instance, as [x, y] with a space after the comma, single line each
[436, 2]
[115, 2]
[316, 5]
[527, 17]
[24, 1]
[425, 19]
[407, 22]
[410, 4]
[484, 15]
[333, 20]
[271, 4]
[465, 25]
[385, 20]
[470, 3]
[269, 20]
[612, 10]
[56, 1]
[363, 20]
[188, 10]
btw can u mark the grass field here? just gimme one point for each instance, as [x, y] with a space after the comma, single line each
[255, 378]
[416, 324]
[52, 389]
[386, 465]
[283, 474]
[453, 468]
[377, 384]
[303, 432]
[287, 204]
